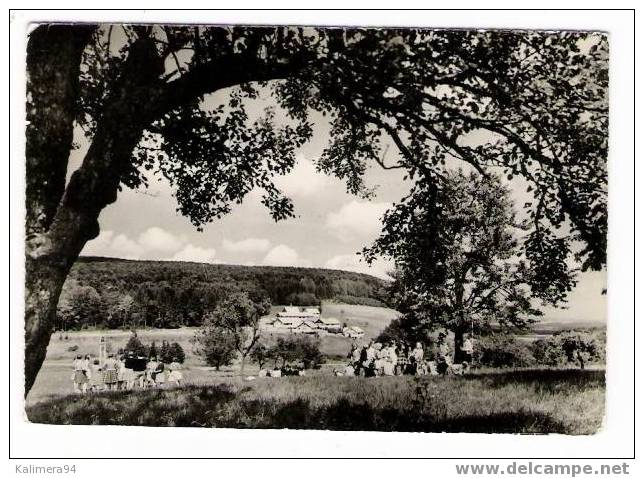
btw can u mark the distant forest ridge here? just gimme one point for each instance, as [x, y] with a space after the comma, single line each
[113, 292]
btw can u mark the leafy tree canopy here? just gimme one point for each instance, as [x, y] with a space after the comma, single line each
[528, 104]
[460, 264]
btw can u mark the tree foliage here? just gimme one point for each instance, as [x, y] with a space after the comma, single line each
[570, 347]
[532, 104]
[214, 344]
[460, 264]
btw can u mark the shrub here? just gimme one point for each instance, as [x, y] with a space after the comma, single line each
[135, 346]
[503, 351]
[298, 349]
[177, 353]
[578, 347]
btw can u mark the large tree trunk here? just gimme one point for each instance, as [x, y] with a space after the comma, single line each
[53, 65]
[57, 234]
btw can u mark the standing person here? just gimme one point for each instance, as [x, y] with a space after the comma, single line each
[128, 370]
[379, 359]
[96, 376]
[110, 374]
[468, 349]
[119, 365]
[443, 359]
[160, 373]
[390, 360]
[403, 359]
[80, 376]
[150, 372]
[175, 376]
[418, 356]
[140, 375]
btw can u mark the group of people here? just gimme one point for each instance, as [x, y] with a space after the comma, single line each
[123, 372]
[381, 359]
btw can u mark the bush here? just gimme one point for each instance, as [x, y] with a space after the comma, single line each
[177, 353]
[135, 346]
[503, 351]
[301, 348]
[73, 348]
[569, 347]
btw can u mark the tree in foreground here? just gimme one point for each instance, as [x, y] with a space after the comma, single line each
[143, 97]
[460, 261]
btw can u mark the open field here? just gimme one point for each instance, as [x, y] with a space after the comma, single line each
[519, 401]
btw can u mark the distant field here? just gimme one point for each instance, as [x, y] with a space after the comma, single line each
[519, 401]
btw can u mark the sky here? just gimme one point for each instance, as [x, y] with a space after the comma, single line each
[331, 226]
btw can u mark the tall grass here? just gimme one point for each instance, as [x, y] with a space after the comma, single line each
[536, 401]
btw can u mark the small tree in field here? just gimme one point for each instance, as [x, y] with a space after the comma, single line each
[214, 344]
[239, 316]
[135, 346]
[579, 348]
[261, 354]
[165, 352]
[177, 353]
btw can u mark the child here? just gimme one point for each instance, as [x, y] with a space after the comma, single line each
[80, 375]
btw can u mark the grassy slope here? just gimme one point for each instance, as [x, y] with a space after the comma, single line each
[535, 401]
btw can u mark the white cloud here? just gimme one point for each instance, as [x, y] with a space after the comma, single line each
[155, 244]
[303, 180]
[126, 247]
[283, 255]
[108, 245]
[97, 246]
[251, 244]
[192, 253]
[353, 262]
[355, 218]
[158, 239]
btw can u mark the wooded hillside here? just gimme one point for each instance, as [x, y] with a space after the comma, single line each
[112, 293]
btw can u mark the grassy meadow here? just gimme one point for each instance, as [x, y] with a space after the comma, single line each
[565, 401]
[519, 401]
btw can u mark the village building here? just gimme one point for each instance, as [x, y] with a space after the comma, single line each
[305, 327]
[353, 332]
[290, 312]
[329, 324]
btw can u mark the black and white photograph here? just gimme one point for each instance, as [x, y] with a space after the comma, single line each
[347, 228]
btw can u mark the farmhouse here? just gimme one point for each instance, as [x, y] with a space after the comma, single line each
[305, 327]
[330, 325]
[353, 332]
[291, 312]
